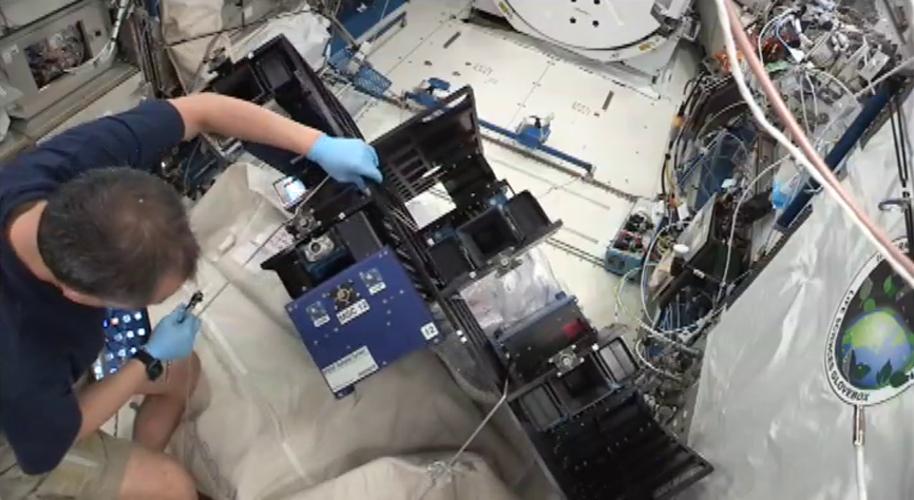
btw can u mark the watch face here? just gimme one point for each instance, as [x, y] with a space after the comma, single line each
[154, 369]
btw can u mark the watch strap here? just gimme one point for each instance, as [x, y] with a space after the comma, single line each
[153, 365]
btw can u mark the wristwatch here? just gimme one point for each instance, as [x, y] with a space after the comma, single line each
[154, 366]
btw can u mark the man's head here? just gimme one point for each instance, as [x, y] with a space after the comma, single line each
[117, 237]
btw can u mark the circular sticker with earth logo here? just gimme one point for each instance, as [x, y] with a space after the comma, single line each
[870, 351]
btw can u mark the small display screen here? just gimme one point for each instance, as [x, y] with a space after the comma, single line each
[126, 331]
[291, 190]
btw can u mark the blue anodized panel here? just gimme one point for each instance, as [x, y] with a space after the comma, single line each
[361, 320]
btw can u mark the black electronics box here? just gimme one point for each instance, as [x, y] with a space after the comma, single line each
[706, 239]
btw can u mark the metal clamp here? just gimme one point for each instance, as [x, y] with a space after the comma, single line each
[566, 360]
[893, 203]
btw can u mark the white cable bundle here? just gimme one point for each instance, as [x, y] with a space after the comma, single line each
[814, 166]
[108, 50]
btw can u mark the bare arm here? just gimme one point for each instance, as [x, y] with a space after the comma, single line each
[344, 159]
[99, 402]
[231, 117]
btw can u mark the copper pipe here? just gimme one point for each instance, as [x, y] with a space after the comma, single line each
[790, 122]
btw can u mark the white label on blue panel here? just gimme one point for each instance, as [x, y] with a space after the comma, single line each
[318, 315]
[352, 312]
[373, 281]
[429, 331]
[350, 369]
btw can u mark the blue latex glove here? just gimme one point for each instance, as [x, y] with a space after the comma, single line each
[346, 160]
[173, 338]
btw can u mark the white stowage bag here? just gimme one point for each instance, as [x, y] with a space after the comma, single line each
[187, 20]
[399, 478]
[263, 424]
[307, 32]
[194, 20]
[766, 416]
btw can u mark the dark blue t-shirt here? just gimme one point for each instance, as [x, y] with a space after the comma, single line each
[46, 341]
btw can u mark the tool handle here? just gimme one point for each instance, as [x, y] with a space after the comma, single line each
[195, 299]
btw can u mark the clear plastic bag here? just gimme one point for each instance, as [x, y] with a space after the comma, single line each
[503, 298]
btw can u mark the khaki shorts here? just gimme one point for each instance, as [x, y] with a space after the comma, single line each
[92, 469]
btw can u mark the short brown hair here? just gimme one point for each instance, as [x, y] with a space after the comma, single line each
[114, 233]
